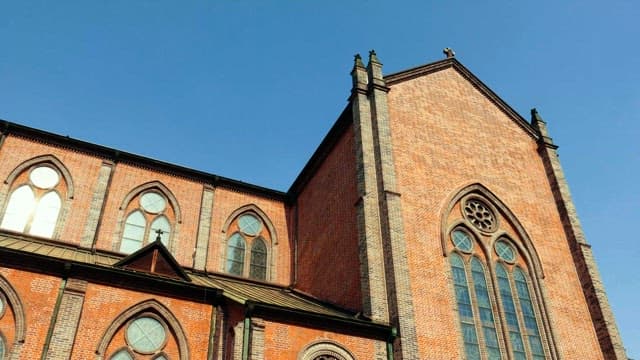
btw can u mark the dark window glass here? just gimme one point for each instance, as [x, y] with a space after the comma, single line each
[235, 254]
[484, 305]
[469, 336]
[258, 268]
[510, 312]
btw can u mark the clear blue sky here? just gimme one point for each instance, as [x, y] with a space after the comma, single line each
[247, 89]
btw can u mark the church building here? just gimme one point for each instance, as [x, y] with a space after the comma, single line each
[432, 222]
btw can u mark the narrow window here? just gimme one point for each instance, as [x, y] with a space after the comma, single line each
[160, 227]
[530, 324]
[465, 312]
[484, 308]
[21, 205]
[133, 234]
[235, 255]
[46, 215]
[509, 309]
[258, 268]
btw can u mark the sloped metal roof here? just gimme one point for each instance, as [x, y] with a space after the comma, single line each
[238, 290]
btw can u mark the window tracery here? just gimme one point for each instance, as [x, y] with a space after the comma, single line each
[248, 240]
[498, 314]
[150, 217]
[35, 200]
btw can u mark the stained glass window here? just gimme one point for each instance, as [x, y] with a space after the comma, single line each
[235, 254]
[465, 312]
[511, 316]
[146, 334]
[484, 309]
[258, 268]
[44, 177]
[530, 324]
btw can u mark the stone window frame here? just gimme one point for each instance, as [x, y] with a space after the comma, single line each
[129, 206]
[530, 264]
[161, 353]
[325, 347]
[13, 300]
[25, 168]
[271, 241]
[121, 349]
[150, 307]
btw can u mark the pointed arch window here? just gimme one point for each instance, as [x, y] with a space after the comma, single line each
[498, 314]
[35, 203]
[247, 253]
[150, 217]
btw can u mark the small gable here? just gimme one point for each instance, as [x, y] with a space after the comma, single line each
[154, 259]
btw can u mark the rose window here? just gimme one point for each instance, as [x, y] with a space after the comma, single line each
[480, 215]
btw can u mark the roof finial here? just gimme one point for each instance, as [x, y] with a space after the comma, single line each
[373, 56]
[449, 52]
[358, 60]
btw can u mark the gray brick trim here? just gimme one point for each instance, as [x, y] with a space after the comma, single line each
[256, 351]
[66, 324]
[374, 292]
[204, 228]
[97, 205]
[594, 292]
[392, 225]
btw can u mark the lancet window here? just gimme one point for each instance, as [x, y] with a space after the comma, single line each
[149, 216]
[498, 312]
[36, 199]
[247, 253]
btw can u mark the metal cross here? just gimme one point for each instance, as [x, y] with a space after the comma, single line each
[159, 237]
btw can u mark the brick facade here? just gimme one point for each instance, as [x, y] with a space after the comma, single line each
[357, 251]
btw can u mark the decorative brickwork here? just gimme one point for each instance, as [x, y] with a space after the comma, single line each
[66, 323]
[97, 205]
[204, 229]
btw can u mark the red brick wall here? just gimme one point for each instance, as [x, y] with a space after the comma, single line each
[38, 294]
[83, 168]
[328, 261]
[103, 304]
[284, 341]
[225, 202]
[188, 194]
[447, 135]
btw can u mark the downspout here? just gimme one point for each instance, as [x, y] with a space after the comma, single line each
[246, 330]
[56, 309]
[392, 337]
[212, 332]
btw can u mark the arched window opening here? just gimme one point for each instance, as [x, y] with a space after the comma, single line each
[150, 218]
[485, 310]
[248, 240]
[325, 350]
[465, 312]
[34, 204]
[258, 268]
[235, 255]
[499, 316]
